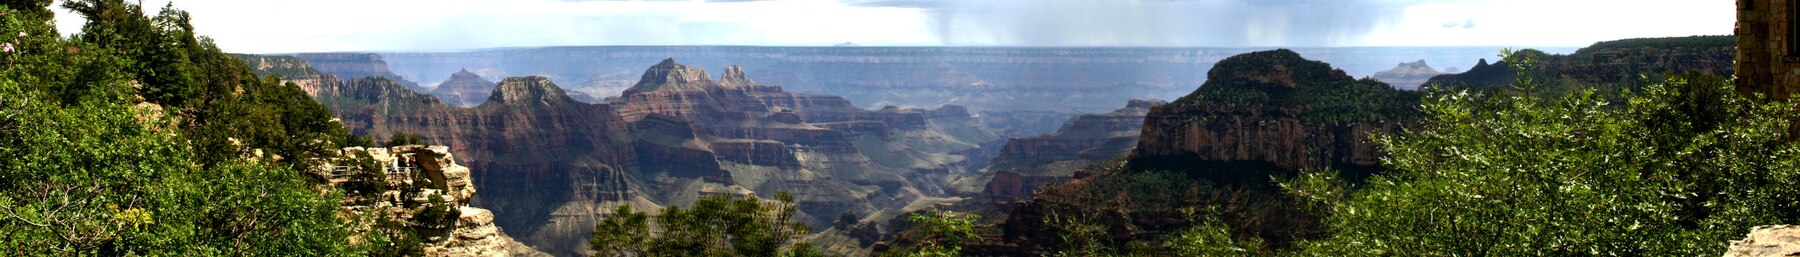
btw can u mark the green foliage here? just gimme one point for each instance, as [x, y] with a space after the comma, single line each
[1210, 237]
[1667, 42]
[367, 180]
[94, 179]
[1281, 83]
[944, 233]
[1678, 171]
[713, 226]
[402, 138]
[133, 138]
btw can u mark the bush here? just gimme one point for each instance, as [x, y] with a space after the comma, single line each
[1679, 171]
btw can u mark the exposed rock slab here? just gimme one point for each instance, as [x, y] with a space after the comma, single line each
[1767, 241]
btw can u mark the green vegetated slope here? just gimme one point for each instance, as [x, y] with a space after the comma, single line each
[1531, 166]
[135, 137]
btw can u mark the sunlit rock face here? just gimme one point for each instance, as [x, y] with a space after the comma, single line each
[1767, 241]
[440, 182]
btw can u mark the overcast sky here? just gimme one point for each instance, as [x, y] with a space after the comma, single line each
[273, 26]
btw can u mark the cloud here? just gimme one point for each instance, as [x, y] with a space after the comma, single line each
[1154, 23]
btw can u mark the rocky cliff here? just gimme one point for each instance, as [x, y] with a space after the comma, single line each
[1259, 115]
[420, 182]
[1025, 163]
[1278, 108]
[1407, 75]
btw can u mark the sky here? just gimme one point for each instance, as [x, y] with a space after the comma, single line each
[286, 26]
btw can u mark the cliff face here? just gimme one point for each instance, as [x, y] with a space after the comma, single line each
[1408, 75]
[1278, 108]
[439, 185]
[1260, 115]
[1023, 164]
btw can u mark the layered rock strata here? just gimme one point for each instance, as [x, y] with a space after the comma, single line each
[428, 172]
[1026, 163]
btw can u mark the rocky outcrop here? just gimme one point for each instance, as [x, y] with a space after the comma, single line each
[1278, 108]
[1767, 241]
[423, 181]
[1408, 75]
[464, 88]
[1259, 115]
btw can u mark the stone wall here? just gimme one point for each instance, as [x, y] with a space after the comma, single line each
[1764, 64]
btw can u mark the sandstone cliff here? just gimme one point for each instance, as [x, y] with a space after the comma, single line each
[1259, 115]
[422, 181]
[1023, 164]
[1277, 108]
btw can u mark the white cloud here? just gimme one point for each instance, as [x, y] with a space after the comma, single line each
[263, 26]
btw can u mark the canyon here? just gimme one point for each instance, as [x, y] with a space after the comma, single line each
[551, 165]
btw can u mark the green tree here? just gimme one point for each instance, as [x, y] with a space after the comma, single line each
[132, 138]
[713, 226]
[1678, 171]
[944, 233]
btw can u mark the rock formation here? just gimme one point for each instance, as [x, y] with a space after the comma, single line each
[1408, 75]
[1277, 108]
[424, 179]
[1767, 241]
[1259, 115]
[464, 88]
[1024, 164]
